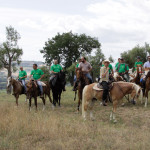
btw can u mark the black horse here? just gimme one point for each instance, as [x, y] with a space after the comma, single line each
[57, 85]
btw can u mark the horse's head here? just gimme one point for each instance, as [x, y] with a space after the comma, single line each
[117, 77]
[139, 69]
[9, 82]
[30, 86]
[78, 73]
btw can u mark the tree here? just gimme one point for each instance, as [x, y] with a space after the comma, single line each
[10, 52]
[130, 56]
[68, 47]
[111, 59]
[96, 62]
[46, 73]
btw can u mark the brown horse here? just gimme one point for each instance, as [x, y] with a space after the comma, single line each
[117, 77]
[138, 74]
[147, 88]
[17, 88]
[82, 82]
[118, 91]
[33, 91]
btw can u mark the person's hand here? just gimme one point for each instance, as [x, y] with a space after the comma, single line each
[39, 79]
[108, 69]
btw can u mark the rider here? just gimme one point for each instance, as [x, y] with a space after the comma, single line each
[56, 68]
[119, 61]
[146, 69]
[111, 71]
[21, 77]
[86, 69]
[37, 74]
[104, 78]
[123, 70]
[138, 62]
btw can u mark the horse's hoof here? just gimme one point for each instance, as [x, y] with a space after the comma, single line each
[123, 104]
[115, 121]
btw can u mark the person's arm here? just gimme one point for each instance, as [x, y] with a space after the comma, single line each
[42, 76]
[30, 75]
[112, 71]
[104, 73]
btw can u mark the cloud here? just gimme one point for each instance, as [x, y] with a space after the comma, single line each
[118, 24]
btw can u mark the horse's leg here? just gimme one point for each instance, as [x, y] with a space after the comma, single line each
[29, 104]
[79, 99]
[35, 102]
[43, 99]
[146, 98]
[59, 97]
[17, 96]
[91, 104]
[114, 110]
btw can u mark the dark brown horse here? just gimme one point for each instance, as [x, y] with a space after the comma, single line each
[17, 88]
[82, 82]
[33, 92]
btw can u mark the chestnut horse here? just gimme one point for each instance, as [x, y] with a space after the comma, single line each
[82, 82]
[118, 91]
[117, 77]
[17, 88]
[33, 92]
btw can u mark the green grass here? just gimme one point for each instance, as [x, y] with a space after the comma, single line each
[63, 129]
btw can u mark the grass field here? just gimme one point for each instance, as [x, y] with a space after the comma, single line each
[63, 129]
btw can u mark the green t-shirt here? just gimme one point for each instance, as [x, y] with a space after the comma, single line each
[116, 66]
[123, 67]
[77, 65]
[56, 68]
[22, 74]
[110, 67]
[37, 73]
[138, 63]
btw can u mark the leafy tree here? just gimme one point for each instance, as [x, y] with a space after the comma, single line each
[46, 73]
[10, 52]
[68, 47]
[111, 59]
[96, 62]
[130, 56]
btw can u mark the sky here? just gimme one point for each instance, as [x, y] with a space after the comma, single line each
[119, 25]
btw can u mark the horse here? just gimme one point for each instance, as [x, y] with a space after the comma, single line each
[57, 86]
[117, 77]
[139, 72]
[33, 91]
[117, 92]
[18, 88]
[82, 82]
[147, 88]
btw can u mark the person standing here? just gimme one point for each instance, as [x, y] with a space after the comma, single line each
[37, 74]
[21, 77]
[138, 62]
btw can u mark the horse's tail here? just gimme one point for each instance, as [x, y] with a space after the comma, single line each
[84, 100]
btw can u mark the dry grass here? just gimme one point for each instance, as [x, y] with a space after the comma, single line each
[63, 129]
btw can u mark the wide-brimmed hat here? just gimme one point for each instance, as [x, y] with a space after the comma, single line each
[106, 61]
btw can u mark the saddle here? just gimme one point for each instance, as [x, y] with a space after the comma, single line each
[99, 87]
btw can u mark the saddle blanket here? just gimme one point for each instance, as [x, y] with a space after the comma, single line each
[98, 87]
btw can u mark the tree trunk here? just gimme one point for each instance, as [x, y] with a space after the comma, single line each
[9, 75]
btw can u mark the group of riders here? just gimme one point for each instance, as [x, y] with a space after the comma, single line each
[106, 73]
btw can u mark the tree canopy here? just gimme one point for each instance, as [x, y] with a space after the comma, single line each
[68, 47]
[130, 56]
[10, 52]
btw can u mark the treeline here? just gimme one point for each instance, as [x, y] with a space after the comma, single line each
[67, 48]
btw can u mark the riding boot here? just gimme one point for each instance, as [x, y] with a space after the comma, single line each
[104, 103]
[41, 96]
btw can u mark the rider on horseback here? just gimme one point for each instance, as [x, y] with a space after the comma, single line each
[138, 62]
[123, 70]
[55, 69]
[21, 77]
[86, 69]
[104, 78]
[37, 74]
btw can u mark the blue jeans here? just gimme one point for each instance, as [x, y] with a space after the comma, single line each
[40, 86]
[24, 85]
[89, 77]
[75, 78]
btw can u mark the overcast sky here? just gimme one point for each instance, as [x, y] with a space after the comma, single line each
[119, 24]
